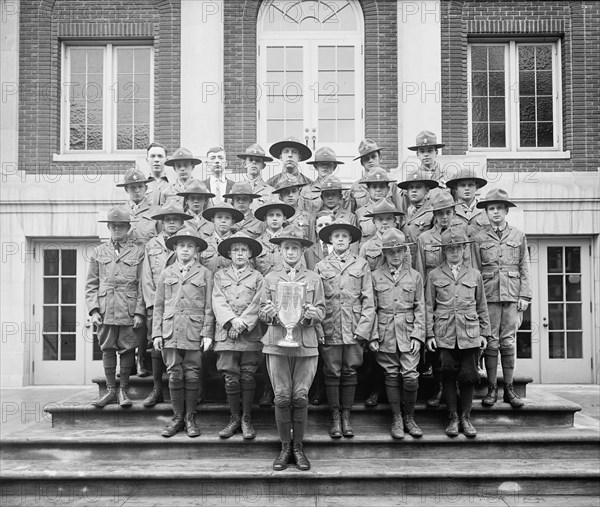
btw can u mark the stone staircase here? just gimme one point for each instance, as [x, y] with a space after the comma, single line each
[114, 456]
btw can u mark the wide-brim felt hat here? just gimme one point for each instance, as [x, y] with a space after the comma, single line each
[426, 139]
[117, 214]
[261, 212]
[325, 232]
[186, 233]
[239, 237]
[466, 173]
[384, 207]
[182, 154]
[209, 213]
[377, 175]
[454, 236]
[196, 187]
[292, 233]
[366, 147]
[333, 184]
[419, 176]
[496, 195]
[255, 150]
[241, 188]
[293, 142]
[442, 200]
[325, 154]
[394, 238]
[133, 176]
[171, 208]
[288, 182]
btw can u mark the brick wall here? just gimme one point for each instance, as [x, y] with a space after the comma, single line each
[381, 79]
[576, 23]
[44, 24]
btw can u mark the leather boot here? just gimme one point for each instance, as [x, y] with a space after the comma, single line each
[108, 398]
[155, 396]
[436, 400]
[397, 430]
[235, 423]
[142, 371]
[410, 426]
[373, 399]
[452, 428]
[175, 426]
[301, 460]
[282, 461]
[191, 427]
[511, 397]
[266, 400]
[491, 397]
[335, 430]
[347, 430]
[467, 428]
[248, 432]
[123, 398]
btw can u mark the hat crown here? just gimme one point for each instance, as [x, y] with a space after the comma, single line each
[292, 232]
[182, 154]
[497, 194]
[367, 146]
[393, 238]
[426, 138]
[383, 207]
[325, 154]
[241, 188]
[118, 214]
[452, 236]
[256, 150]
[171, 208]
[331, 183]
[134, 175]
[288, 181]
[196, 187]
[377, 175]
[442, 200]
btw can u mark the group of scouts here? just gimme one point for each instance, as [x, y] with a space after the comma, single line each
[416, 275]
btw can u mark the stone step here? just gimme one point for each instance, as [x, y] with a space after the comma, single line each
[252, 481]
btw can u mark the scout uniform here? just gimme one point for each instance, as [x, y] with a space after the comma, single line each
[305, 154]
[249, 224]
[237, 294]
[257, 184]
[427, 139]
[292, 369]
[503, 259]
[341, 213]
[112, 289]
[457, 319]
[183, 318]
[156, 258]
[300, 218]
[400, 307]
[197, 222]
[348, 323]
[172, 190]
[155, 188]
[475, 219]
[210, 257]
[310, 195]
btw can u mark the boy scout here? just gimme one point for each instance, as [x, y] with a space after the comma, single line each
[156, 156]
[115, 303]
[290, 152]
[255, 160]
[332, 197]
[377, 183]
[348, 322]
[288, 191]
[399, 330]
[457, 325]
[292, 369]
[183, 327]
[242, 196]
[503, 259]
[223, 217]
[427, 147]
[183, 163]
[325, 164]
[465, 185]
[156, 257]
[196, 198]
[237, 292]
[419, 217]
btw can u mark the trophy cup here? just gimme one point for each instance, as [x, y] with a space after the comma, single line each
[290, 305]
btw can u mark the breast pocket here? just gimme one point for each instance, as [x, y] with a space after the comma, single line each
[433, 256]
[488, 252]
[329, 283]
[384, 295]
[104, 266]
[170, 288]
[467, 289]
[198, 292]
[513, 252]
[129, 268]
[442, 291]
[355, 279]
[408, 293]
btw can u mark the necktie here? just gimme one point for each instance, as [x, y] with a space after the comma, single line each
[184, 270]
[292, 273]
[218, 188]
[118, 248]
[396, 275]
[499, 233]
[455, 270]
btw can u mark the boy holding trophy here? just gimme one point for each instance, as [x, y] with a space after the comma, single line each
[293, 301]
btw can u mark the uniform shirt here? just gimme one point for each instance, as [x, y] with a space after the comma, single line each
[504, 264]
[251, 225]
[156, 258]
[400, 308]
[456, 310]
[473, 218]
[270, 255]
[366, 224]
[420, 221]
[310, 199]
[203, 227]
[371, 251]
[349, 307]
[274, 181]
[210, 257]
[259, 187]
[170, 192]
[113, 283]
[359, 195]
[237, 295]
[143, 226]
[155, 188]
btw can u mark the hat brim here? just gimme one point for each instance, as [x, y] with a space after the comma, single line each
[367, 181]
[279, 190]
[342, 189]
[367, 153]
[485, 204]
[133, 183]
[325, 232]
[396, 213]
[264, 157]
[208, 195]
[171, 242]
[210, 213]
[277, 148]
[116, 221]
[466, 242]
[480, 182]
[261, 211]
[415, 148]
[281, 239]
[225, 245]
[314, 162]
[193, 160]
[232, 195]
[161, 216]
[406, 244]
[428, 183]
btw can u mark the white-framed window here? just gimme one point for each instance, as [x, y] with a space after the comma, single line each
[515, 107]
[107, 100]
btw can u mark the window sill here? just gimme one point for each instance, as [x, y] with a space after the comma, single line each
[97, 157]
[533, 155]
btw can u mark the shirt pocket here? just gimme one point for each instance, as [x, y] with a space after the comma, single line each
[104, 266]
[513, 251]
[170, 288]
[408, 293]
[442, 291]
[488, 252]
[384, 294]
[355, 279]
[472, 325]
[198, 289]
[433, 256]
[467, 289]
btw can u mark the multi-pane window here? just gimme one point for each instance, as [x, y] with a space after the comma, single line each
[514, 99]
[107, 98]
[309, 15]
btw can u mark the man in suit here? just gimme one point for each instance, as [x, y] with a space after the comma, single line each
[217, 183]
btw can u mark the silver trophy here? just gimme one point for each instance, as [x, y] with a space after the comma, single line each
[290, 306]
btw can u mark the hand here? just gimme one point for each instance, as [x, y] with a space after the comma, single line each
[482, 342]
[206, 343]
[431, 344]
[138, 321]
[158, 343]
[374, 345]
[522, 305]
[310, 312]
[96, 318]
[232, 333]
[238, 325]
[269, 309]
[321, 340]
[415, 346]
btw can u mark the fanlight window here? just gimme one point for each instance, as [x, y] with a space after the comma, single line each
[308, 15]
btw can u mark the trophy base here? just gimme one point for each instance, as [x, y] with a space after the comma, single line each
[285, 343]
